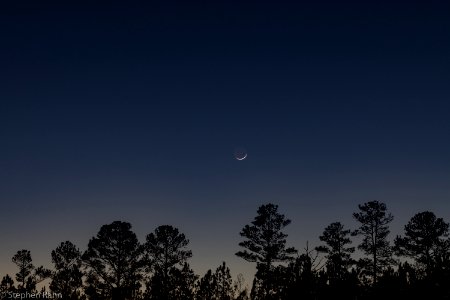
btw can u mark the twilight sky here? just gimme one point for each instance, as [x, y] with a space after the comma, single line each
[132, 112]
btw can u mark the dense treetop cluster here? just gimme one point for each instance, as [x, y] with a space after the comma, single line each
[116, 266]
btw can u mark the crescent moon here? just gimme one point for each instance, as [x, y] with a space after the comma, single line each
[242, 158]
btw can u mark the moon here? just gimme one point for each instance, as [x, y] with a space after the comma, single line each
[240, 153]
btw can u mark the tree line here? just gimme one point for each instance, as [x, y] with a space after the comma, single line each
[116, 266]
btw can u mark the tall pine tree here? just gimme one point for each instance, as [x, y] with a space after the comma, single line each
[374, 229]
[265, 244]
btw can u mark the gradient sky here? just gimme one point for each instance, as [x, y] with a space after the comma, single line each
[132, 112]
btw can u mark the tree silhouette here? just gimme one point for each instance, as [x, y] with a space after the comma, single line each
[178, 284]
[304, 276]
[217, 285]
[425, 237]
[338, 255]
[265, 244]
[374, 228]
[166, 254]
[205, 287]
[224, 283]
[6, 286]
[183, 282]
[114, 262]
[28, 276]
[67, 277]
[23, 261]
[115, 265]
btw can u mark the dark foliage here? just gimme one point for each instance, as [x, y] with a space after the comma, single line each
[116, 266]
[167, 255]
[425, 241]
[338, 254]
[265, 244]
[113, 263]
[374, 229]
[28, 276]
[67, 276]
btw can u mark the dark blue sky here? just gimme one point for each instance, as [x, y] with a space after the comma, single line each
[132, 112]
